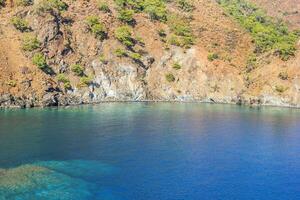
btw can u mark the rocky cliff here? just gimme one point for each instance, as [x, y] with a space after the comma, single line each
[65, 52]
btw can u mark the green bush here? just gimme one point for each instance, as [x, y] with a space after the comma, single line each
[162, 33]
[135, 56]
[121, 53]
[24, 2]
[40, 61]
[126, 15]
[77, 69]
[283, 75]
[268, 34]
[30, 43]
[2, 2]
[12, 83]
[175, 40]
[281, 88]
[176, 66]
[50, 5]
[63, 79]
[103, 6]
[133, 4]
[212, 56]
[85, 81]
[124, 35]
[96, 27]
[103, 59]
[156, 9]
[185, 5]
[182, 32]
[20, 24]
[285, 50]
[140, 40]
[170, 77]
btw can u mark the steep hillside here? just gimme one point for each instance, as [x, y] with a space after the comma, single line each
[55, 52]
[288, 10]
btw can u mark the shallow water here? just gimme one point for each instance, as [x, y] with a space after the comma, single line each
[147, 151]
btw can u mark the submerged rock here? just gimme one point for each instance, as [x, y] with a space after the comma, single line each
[53, 180]
[79, 168]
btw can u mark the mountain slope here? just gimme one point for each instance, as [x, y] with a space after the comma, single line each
[70, 52]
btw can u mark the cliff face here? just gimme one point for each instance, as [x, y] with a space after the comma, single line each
[71, 52]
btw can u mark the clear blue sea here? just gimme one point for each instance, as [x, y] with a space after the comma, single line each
[150, 151]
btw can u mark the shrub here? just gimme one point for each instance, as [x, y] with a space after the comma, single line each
[120, 52]
[170, 77]
[212, 56]
[77, 69]
[50, 5]
[63, 79]
[140, 40]
[85, 81]
[135, 56]
[12, 83]
[103, 6]
[2, 2]
[175, 40]
[182, 32]
[133, 4]
[40, 61]
[126, 15]
[176, 66]
[30, 43]
[20, 24]
[162, 33]
[185, 5]
[283, 75]
[96, 27]
[124, 35]
[285, 51]
[24, 2]
[156, 9]
[280, 88]
[103, 59]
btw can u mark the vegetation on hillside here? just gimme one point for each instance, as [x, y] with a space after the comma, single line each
[156, 9]
[103, 6]
[268, 34]
[24, 2]
[96, 27]
[20, 24]
[50, 5]
[63, 79]
[30, 43]
[182, 34]
[2, 3]
[40, 61]
[77, 69]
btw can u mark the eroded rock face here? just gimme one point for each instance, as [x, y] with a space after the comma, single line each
[116, 81]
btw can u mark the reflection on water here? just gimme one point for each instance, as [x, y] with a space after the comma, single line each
[52, 180]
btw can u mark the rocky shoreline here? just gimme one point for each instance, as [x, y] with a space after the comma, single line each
[60, 100]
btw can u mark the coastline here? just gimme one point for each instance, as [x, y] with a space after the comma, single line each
[206, 101]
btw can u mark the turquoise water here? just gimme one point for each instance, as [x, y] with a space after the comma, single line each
[145, 151]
